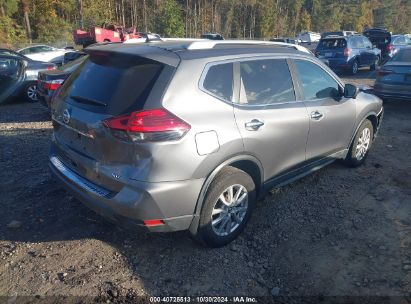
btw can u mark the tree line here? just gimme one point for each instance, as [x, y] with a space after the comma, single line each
[53, 21]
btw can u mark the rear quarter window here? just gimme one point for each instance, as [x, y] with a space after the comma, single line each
[219, 81]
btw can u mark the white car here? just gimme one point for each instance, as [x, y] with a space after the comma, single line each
[43, 53]
[309, 37]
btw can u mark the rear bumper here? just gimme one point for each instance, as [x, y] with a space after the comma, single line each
[392, 91]
[134, 203]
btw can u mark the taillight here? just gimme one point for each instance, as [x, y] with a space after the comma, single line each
[53, 85]
[390, 47]
[150, 125]
[51, 67]
[152, 223]
[382, 73]
[347, 52]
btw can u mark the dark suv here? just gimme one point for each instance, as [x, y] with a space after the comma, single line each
[179, 135]
[348, 53]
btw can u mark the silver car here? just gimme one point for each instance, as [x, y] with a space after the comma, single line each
[187, 135]
[394, 77]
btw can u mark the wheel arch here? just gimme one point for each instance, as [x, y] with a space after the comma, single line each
[371, 116]
[248, 163]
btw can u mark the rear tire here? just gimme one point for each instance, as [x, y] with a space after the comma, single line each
[31, 93]
[227, 208]
[354, 67]
[361, 145]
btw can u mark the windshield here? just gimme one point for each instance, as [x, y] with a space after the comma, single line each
[71, 66]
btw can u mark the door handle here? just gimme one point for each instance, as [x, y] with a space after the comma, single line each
[316, 115]
[254, 125]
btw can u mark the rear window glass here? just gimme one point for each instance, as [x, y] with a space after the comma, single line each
[115, 83]
[332, 43]
[403, 56]
[219, 81]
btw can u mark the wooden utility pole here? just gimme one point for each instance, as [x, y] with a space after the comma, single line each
[25, 6]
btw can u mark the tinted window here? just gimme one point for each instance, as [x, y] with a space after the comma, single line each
[332, 43]
[219, 80]
[367, 42]
[316, 83]
[357, 43]
[403, 56]
[266, 82]
[399, 40]
[113, 83]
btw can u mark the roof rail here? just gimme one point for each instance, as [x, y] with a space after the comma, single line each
[202, 44]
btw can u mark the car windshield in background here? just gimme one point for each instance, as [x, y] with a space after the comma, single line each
[332, 43]
[71, 66]
[403, 56]
[105, 77]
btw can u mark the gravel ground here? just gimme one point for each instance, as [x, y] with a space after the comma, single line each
[337, 232]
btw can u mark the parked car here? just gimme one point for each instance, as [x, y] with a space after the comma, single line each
[71, 56]
[12, 75]
[398, 42]
[380, 38]
[43, 53]
[348, 53]
[50, 81]
[33, 67]
[180, 135]
[394, 77]
[285, 40]
[212, 36]
[309, 37]
[338, 33]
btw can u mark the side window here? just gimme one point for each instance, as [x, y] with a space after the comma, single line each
[316, 83]
[360, 42]
[26, 51]
[266, 82]
[219, 81]
[367, 42]
[399, 41]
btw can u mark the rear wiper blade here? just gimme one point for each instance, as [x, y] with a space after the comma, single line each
[88, 100]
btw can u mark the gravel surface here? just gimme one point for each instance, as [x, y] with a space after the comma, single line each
[339, 231]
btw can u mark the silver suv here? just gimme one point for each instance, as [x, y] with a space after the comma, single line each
[187, 135]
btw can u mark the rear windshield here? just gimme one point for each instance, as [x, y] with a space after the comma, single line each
[112, 83]
[403, 56]
[332, 43]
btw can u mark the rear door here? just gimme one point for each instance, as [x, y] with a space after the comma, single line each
[272, 123]
[331, 117]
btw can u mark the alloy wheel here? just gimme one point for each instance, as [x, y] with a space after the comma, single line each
[32, 93]
[363, 144]
[229, 210]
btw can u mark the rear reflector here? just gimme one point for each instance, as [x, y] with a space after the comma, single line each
[150, 125]
[152, 223]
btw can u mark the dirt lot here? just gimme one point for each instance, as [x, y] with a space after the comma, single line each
[338, 232]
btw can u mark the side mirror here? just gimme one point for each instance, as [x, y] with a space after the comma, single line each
[350, 91]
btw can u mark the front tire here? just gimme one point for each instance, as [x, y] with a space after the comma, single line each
[227, 208]
[361, 145]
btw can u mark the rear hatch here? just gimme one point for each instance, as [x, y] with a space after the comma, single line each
[395, 73]
[115, 80]
[331, 48]
[380, 38]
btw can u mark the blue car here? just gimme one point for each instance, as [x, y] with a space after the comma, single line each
[349, 53]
